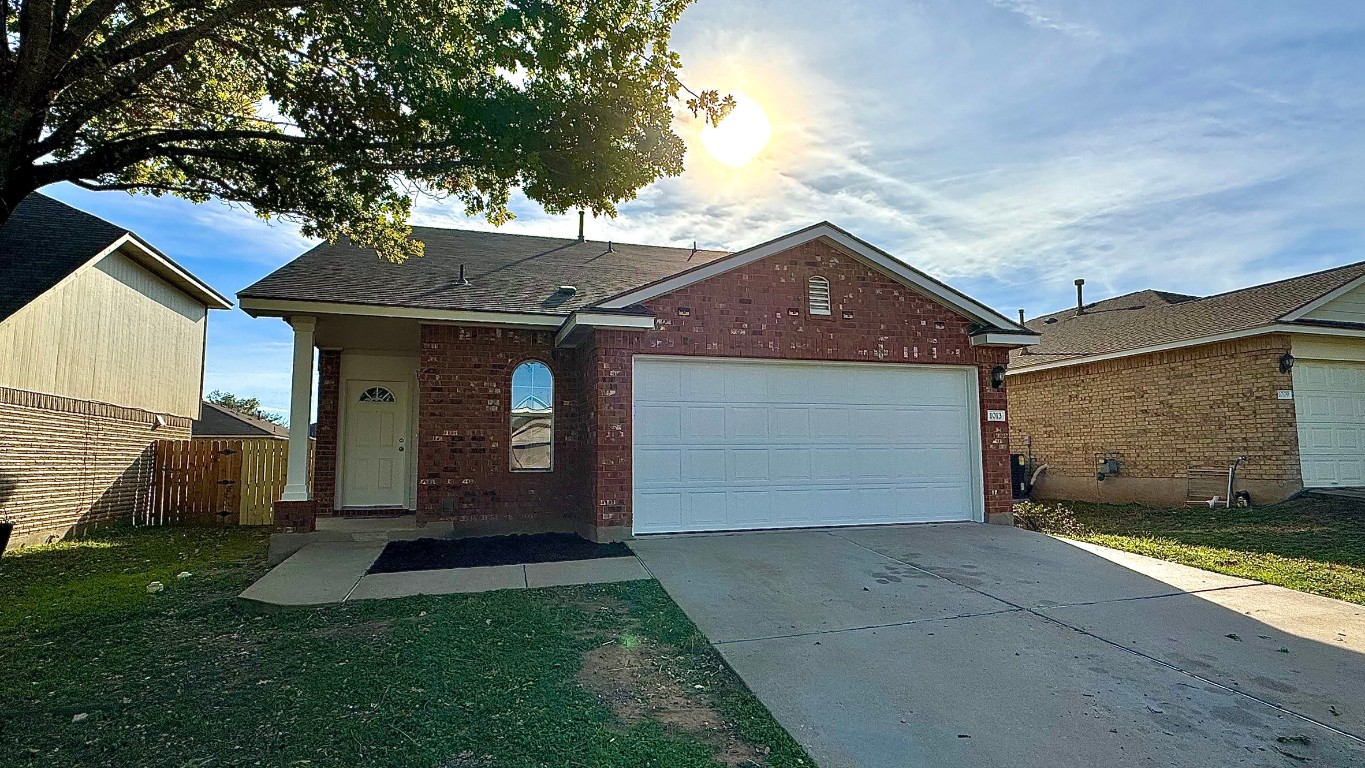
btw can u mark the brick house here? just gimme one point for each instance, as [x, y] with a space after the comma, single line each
[101, 354]
[1166, 385]
[514, 383]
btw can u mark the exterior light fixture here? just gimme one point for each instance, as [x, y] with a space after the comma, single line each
[998, 377]
[1286, 363]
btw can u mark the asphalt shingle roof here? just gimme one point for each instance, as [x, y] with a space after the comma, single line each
[1148, 318]
[216, 421]
[42, 243]
[506, 273]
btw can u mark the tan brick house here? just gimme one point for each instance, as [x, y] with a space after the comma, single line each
[1163, 386]
[101, 353]
[514, 383]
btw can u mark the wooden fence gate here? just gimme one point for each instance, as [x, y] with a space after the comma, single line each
[222, 482]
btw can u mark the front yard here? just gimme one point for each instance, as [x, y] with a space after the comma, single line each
[1312, 545]
[96, 671]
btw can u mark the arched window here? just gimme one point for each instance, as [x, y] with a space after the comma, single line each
[817, 289]
[376, 395]
[533, 417]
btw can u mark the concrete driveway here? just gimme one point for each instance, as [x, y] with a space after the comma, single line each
[977, 645]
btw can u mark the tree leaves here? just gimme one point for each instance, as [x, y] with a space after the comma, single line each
[335, 115]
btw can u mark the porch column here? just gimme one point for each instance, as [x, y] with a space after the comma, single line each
[300, 410]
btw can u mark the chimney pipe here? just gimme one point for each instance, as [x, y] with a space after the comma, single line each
[1080, 300]
[580, 226]
[1021, 317]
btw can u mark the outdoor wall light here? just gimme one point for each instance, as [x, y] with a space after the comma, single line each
[998, 377]
[1286, 363]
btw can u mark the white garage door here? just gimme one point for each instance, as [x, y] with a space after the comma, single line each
[1330, 406]
[733, 445]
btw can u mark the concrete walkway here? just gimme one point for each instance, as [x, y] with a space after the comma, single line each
[974, 645]
[326, 572]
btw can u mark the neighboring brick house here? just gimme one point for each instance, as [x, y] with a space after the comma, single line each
[101, 353]
[514, 383]
[1167, 385]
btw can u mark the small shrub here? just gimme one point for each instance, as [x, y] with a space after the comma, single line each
[1047, 518]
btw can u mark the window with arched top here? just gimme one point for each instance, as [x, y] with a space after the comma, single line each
[376, 395]
[817, 290]
[533, 417]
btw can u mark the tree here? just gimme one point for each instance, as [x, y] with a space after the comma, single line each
[251, 406]
[335, 113]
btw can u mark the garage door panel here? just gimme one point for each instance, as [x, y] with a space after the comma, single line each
[704, 465]
[790, 464]
[791, 422]
[746, 422]
[662, 463]
[658, 423]
[792, 444]
[1329, 401]
[746, 465]
[702, 422]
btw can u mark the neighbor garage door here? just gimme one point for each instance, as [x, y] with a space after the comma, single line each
[1330, 405]
[732, 445]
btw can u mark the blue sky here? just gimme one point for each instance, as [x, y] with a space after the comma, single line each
[1007, 146]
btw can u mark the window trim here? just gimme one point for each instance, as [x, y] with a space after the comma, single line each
[391, 397]
[813, 283]
[511, 402]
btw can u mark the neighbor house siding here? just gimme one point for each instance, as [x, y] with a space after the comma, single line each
[464, 466]
[113, 333]
[68, 463]
[1160, 414]
[761, 311]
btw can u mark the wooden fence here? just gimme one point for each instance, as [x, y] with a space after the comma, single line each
[222, 482]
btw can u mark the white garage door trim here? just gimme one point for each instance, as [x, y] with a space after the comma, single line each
[664, 501]
[1329, 406]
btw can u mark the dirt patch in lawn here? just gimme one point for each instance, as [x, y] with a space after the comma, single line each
[635, 684]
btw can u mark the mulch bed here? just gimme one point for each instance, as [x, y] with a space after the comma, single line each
[518, 549]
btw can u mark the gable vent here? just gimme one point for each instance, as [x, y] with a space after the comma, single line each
[818, 289]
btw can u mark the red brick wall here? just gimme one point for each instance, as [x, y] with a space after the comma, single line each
[325, 446]
[759, 311]
[464, 388]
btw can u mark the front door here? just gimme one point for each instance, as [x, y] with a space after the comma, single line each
[376, 444]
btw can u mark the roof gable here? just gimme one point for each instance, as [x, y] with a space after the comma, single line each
[42, 243]
[859, 249]
[46, 241]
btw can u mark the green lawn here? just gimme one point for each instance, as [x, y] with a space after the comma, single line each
[96, 672]
[1307, 544]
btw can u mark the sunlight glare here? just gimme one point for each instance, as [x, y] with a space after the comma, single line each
[740, 136]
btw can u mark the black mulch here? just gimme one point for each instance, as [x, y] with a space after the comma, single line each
[518, 549]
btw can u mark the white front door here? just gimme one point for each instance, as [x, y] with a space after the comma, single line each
[375, 446]
[733, 445]
[1329, 402]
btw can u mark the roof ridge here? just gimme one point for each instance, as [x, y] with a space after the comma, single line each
[565, 240]
[1283, 280]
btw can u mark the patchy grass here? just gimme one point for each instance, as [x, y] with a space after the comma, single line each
[1312, 545]
[98, 672]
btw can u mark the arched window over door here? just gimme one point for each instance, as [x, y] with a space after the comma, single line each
[533, 417]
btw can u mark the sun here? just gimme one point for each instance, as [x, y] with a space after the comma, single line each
[740, 136]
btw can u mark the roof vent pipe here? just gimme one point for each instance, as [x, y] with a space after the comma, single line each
[580, 226]
[1021, 317]
[462, 280]
[1080, 298]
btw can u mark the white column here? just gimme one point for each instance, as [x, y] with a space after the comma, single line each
[300, 410]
